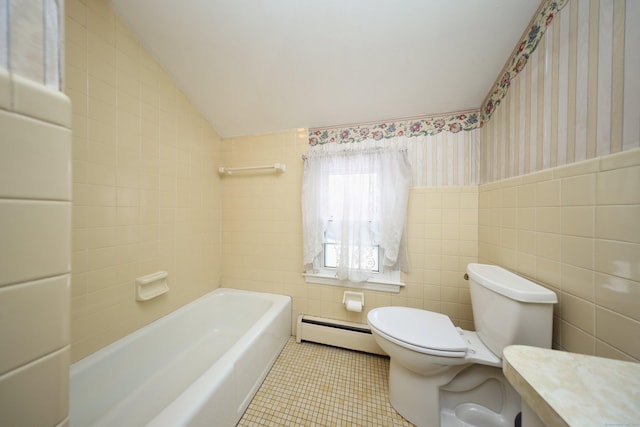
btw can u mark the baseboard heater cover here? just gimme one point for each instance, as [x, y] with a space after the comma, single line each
[338, 333]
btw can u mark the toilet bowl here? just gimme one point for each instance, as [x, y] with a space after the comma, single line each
[441, 375]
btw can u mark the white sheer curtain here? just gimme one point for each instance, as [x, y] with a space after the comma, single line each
[354, 203]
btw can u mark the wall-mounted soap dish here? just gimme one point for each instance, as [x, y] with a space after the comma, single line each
[151, 286]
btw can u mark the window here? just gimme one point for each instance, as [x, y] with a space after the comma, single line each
[354, 209]
[340, 187]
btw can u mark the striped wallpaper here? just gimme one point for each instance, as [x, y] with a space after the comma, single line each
[445, 159]
[577, 98]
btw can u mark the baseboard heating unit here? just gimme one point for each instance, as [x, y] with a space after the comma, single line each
[338, 333]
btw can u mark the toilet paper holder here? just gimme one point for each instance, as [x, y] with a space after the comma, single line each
[353, 301]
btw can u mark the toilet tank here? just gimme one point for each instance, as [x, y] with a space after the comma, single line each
[509, 309]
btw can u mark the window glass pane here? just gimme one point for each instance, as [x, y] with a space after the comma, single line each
[366, 257]
[330, 256]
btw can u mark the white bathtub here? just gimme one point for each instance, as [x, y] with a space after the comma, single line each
[198, 366]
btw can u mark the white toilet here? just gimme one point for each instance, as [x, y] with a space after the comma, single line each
[445, 376]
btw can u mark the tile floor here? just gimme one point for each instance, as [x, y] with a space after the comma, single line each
[317, 385]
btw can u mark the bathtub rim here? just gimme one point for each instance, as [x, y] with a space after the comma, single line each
[218, 372]
[81, 364]
[195, 397]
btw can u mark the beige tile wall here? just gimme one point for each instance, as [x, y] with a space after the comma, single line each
[35, 252]
[262, 237]
[442, 225]
[146, 195]
[261, 225]
[576, 230]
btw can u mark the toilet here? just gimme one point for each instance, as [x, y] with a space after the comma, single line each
[441, 375]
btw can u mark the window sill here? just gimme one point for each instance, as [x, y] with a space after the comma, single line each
[371, 284]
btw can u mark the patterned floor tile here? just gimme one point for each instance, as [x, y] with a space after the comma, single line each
[317, 385]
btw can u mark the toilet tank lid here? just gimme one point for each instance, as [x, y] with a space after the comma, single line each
[509, 284]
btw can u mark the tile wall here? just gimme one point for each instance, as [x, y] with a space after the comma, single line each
[576, 230]
[146, 195]
[261, 217]
[35, 218]
[35, 252]
[442, 225]
[262, 236]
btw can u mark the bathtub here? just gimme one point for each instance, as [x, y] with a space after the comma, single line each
[199, 365]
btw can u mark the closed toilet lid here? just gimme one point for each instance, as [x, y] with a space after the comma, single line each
[420, 328]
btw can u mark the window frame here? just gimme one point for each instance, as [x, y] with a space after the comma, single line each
[389, 282]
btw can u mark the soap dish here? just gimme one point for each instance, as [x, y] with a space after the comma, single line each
[151, 286]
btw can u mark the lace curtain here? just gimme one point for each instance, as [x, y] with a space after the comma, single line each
[354, 206]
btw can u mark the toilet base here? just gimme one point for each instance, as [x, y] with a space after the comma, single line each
[460, 396]
[472, 415]
[417, 397]
[495, 403]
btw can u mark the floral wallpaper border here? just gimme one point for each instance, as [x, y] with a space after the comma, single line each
[528, 44]
[453, 122]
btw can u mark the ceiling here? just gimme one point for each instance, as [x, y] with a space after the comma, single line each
[257, 66]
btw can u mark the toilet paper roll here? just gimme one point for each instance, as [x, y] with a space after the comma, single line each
[355, 306]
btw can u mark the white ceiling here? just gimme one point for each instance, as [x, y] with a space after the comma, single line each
[257, 66]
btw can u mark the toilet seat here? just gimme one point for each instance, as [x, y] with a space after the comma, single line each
[419, 330]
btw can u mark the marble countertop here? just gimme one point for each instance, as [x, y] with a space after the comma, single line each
[569, 389]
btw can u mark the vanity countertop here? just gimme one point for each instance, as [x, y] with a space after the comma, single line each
[569, 389]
